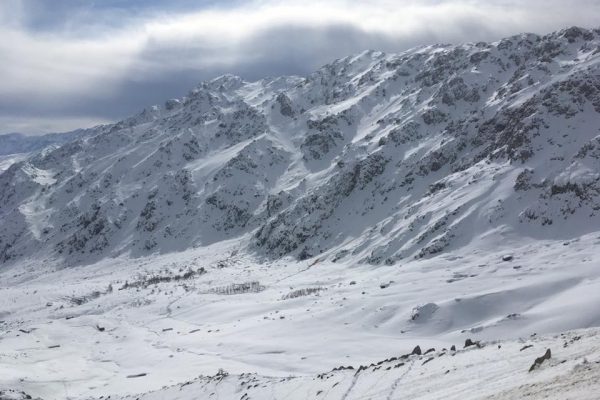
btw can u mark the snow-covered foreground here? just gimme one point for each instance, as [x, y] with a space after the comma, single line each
[87, 331]
[492, 371]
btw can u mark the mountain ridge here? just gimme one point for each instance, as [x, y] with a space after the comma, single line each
[424, 151]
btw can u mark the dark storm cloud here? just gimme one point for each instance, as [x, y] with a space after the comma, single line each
[67, 63]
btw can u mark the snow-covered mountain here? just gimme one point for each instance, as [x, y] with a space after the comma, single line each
[376, 157]
[292, 225]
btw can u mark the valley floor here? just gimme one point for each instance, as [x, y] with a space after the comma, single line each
[214, 323]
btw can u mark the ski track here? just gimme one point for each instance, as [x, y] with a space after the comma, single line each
[398, 381]
[353, 381]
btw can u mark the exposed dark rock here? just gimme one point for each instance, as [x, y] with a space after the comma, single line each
[137, 375]
[538, 361]
[285, 105]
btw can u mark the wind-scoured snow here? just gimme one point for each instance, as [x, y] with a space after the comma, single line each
[279, 229]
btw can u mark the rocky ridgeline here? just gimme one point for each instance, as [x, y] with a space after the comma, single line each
[379, 157]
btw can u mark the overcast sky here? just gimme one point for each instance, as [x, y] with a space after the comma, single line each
[66, 64]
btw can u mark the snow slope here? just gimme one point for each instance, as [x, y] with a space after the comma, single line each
[289, 226]
[496, 371]
[176, 317]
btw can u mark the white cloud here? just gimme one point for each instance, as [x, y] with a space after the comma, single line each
[49, 67]
[53, 70]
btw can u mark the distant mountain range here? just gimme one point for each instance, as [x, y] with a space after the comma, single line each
[14, 143]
